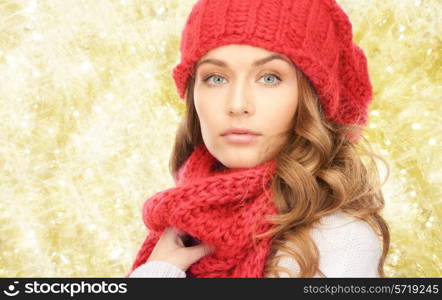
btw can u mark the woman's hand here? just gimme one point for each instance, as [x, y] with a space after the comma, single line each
[170, 248]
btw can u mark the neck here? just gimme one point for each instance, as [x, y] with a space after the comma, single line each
[218, 166]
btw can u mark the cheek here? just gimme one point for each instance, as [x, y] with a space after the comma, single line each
[207, 115]
[278, 118]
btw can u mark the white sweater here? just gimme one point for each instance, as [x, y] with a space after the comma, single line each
[348, 248]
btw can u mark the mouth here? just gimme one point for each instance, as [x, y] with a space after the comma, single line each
[240, 138]
[239, 130]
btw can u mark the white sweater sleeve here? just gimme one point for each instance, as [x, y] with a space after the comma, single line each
[348, 248]
[351, 250]
[158, 269]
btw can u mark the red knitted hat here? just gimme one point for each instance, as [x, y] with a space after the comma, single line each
[315, 34]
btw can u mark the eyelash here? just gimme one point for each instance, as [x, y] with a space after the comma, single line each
[271, 85]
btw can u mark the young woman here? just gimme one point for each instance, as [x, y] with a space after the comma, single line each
[268, 160]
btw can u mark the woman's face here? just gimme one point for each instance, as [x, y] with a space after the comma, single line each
[241, 86]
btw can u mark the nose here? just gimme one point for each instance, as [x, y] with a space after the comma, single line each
[240, 101]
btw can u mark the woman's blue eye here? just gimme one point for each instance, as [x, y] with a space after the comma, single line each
[265, 75]
[212, 76]
[270, 76]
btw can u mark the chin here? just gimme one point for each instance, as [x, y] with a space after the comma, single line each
[236, 157]
[238, 162]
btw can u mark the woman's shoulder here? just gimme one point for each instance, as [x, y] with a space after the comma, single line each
[348, 247]
[340, 230]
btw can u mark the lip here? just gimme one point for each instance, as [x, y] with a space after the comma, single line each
[240, 138]
[238, 130]
[239, 135]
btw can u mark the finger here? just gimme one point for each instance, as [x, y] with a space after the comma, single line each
[199, 251]
[167, 233]
[177, 235]
[178, 232]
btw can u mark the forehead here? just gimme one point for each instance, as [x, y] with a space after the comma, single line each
[241, 54]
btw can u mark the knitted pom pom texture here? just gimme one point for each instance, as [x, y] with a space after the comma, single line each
[315, 34]
[220, 208]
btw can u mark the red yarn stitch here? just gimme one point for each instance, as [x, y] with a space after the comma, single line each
[219, 208]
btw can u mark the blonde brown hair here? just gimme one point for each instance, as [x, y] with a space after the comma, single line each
[319, 170]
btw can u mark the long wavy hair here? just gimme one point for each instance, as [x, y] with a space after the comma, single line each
[319, 170]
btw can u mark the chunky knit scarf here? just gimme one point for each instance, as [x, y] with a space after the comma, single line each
[222, 208]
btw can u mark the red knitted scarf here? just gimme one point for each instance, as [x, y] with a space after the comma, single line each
[222, 208]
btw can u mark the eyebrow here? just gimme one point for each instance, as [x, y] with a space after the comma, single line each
[255, 64]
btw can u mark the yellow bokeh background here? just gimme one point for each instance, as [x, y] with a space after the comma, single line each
[89, 111]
